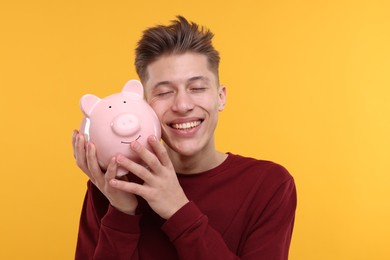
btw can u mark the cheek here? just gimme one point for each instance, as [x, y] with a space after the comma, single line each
[209, 103]
[158, 108]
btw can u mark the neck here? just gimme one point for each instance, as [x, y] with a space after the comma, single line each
[198, 163]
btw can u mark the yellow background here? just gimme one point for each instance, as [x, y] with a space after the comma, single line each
[308, 87]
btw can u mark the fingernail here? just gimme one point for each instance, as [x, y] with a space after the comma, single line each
[113, 161]
[119, 158]
[135, 145]
[113, 182]
[152, 138]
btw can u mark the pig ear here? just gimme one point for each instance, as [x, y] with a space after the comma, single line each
[135, 87]
[87, 103]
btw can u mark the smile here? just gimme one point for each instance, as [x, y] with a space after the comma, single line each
[124, 142]
[186, 126]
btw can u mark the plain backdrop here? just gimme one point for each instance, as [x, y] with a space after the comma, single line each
[308, 87]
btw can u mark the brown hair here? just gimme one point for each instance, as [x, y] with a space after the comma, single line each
[177, 38]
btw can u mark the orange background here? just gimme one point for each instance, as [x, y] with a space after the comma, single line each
[307, 84]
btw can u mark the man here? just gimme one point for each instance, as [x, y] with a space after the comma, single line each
[191, 201]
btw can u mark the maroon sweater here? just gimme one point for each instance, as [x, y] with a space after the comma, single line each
[242, 209]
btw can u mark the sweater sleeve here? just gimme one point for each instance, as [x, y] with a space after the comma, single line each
[193, 237]
[268, 238]
[104, 232]
[272, 228]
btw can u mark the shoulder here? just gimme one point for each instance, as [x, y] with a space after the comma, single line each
[259, 174]
[257, 167]
[267, 181]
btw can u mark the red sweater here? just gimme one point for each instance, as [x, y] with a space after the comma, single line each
[242, 209]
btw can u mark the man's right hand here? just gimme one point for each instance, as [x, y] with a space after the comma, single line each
[85, 155]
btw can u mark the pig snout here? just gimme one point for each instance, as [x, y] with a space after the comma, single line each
[125, 125]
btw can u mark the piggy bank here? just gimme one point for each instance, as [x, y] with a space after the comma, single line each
[115, 121]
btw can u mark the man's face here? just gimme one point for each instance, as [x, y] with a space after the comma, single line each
[186, 97]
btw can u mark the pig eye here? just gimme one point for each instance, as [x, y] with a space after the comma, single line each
[109, 106]
[124, 101]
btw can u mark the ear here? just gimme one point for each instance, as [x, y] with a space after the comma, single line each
[87, 103]
[135, 87]
[221, 97]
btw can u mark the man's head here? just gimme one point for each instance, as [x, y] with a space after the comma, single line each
[179, 37]
[178, 67]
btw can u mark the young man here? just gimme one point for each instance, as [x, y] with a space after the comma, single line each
[191, 201]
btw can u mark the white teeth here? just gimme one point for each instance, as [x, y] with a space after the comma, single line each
[187, 125]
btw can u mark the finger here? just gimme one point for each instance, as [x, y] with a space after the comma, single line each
[147, 156]
[160, 151]
[93, 165]
[135, 168]
[111, 169]
[80, 153]
[74, 134]
[130, 187]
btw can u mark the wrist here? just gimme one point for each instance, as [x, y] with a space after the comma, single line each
[175, 209]
[117, 220]
[128, 211]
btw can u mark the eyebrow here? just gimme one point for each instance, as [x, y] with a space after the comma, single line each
[161, 83]
[192, 79]
[202, 78]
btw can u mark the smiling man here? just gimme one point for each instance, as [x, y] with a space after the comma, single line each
[187, 98]
[192, 201]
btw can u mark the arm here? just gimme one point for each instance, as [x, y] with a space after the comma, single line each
[104, 232]
[188, 228]
[272, 229]
[268, 235]
[194, 238]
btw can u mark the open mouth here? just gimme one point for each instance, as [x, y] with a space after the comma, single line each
[124, 142]
[187, 125]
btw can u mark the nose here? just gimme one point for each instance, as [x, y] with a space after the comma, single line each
[183, 102]
[125, 125]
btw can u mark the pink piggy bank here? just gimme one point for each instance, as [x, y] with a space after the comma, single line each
[115, 121]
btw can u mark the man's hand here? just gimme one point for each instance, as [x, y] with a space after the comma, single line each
[85, 154]
[161, 188]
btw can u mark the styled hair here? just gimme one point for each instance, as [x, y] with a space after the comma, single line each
[179, 37]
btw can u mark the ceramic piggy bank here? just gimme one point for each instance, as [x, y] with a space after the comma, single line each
[115, 121]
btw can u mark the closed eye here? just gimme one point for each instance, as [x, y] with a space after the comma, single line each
[162, 94]
[197, 90]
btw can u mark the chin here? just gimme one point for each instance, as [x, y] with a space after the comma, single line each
[188, 148]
